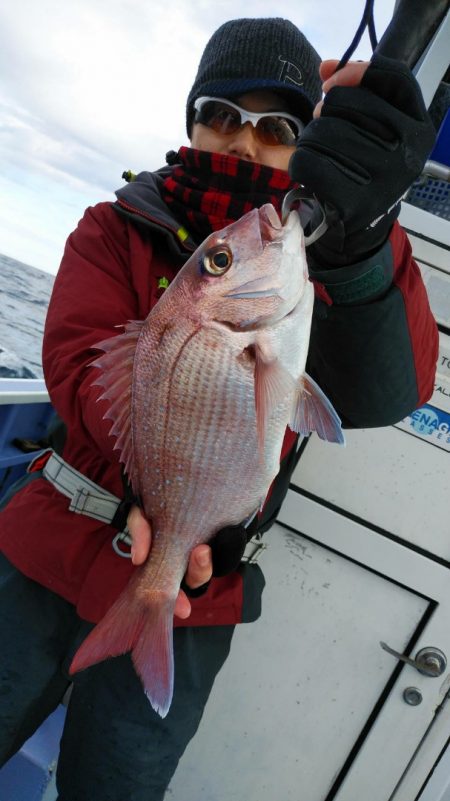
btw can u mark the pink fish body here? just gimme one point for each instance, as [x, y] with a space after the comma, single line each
[201, 393]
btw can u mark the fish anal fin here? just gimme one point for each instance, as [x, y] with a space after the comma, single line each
[273, 384]
[141, 623]
[314, 412]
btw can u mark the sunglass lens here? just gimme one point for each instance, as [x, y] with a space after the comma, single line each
[223, 119]
[277, 131]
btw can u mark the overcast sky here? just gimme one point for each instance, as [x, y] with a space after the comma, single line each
[89, 88]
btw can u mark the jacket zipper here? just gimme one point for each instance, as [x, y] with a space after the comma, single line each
[153, 220]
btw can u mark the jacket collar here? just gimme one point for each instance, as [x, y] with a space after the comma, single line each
[140, 200]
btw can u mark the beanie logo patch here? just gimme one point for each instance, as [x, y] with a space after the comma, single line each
[290, 73]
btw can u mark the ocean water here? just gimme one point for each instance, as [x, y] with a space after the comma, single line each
[24, 296]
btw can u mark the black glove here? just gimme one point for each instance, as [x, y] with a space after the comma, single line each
[360, 156]
[227, 548]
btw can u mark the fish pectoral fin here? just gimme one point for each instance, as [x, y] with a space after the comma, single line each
[314, 412]
[273, 384]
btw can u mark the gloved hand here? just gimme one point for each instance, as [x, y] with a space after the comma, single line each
[360, 155]
[228, 547]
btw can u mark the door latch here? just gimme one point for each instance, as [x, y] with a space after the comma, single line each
[429, 661]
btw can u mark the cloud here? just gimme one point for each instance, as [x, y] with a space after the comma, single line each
[100, 73]
[89, 88]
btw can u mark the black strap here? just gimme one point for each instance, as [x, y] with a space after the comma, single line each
[120, 518]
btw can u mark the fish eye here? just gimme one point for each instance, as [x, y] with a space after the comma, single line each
[217, 260]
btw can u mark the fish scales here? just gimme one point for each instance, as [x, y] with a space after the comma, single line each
[199, 418]
[183, 419]
[201, 393]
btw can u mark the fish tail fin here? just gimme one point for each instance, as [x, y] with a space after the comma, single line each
[153, 658]
[144, 626]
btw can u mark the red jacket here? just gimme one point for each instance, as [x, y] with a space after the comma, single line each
[109, 275]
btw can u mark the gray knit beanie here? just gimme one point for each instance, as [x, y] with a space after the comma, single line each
[268, 53]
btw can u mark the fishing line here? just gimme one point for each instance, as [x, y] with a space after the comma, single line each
[368, 22]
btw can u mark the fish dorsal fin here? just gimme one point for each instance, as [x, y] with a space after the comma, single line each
[273, 383]
[116, 378]
[314, 412]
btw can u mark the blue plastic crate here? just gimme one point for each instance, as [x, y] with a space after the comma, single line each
[25, 421]
[27, 775]
[441, 150]
[431, 195]
[428, 193]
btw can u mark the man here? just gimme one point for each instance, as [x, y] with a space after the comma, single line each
[373, 351]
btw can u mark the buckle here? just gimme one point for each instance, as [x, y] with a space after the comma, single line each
[121, 542]
[253, 550]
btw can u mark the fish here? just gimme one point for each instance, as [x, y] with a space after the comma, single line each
[200, 395]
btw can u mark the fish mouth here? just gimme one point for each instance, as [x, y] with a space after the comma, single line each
[264, 286]
[269, 223]
[272, 233]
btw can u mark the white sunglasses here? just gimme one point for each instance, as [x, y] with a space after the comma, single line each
[272, 128]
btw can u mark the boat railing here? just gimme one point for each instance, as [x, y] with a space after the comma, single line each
[23, 390]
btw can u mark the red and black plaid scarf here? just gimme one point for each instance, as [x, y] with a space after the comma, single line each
[207, 191]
